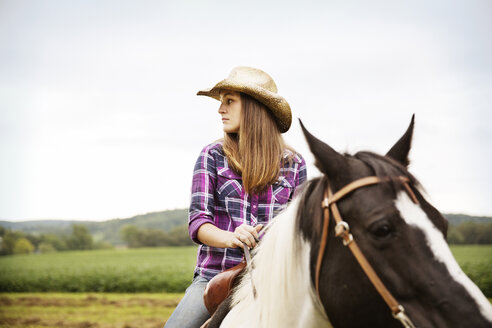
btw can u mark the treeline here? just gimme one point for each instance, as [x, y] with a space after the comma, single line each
[139, 237]
[18, 242]
[470, 233]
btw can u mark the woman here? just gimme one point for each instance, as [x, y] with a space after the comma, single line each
[239, 183]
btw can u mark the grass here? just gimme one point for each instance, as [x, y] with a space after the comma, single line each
[476, 262]
[472, 254]
[86, 310]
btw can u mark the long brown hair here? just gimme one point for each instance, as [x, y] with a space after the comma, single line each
[257, 150]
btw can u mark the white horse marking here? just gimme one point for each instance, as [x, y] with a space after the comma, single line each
[415, 216]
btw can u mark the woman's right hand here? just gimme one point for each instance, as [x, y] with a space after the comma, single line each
[245, 234]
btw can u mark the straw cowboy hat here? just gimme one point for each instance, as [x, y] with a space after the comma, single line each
[259, 85]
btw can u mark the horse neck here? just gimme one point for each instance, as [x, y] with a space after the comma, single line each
[281, 276]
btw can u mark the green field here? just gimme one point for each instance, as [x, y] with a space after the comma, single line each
[167, 269]
[472, 254]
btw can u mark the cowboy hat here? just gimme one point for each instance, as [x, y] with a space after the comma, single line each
[259, 85]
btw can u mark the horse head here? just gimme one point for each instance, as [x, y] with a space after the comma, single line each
[403, 240]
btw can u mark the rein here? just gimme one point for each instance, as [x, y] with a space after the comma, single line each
[247, 257]
[342, 230]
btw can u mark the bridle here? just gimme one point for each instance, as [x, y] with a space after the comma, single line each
[342, 230]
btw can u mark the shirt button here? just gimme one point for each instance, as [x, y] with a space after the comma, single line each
[254, 206]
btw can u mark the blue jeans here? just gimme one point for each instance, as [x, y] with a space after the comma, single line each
[191, 311]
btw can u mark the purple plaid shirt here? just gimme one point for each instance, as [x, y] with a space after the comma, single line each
[217, 197]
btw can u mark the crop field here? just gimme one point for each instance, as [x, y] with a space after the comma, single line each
[166, 269]
[126, 288]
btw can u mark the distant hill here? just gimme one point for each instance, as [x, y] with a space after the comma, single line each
[455, 219]
[109, 231]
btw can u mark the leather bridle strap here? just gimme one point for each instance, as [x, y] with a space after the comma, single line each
[342, 230]
[324, 238]
[247, 254]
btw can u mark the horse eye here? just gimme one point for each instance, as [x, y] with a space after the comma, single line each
[381, 230]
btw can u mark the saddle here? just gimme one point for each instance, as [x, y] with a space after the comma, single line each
[220, 286]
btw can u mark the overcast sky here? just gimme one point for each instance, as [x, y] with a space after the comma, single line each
[99, 118]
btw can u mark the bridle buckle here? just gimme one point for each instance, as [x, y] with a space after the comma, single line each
[325, 203]
[403, 318]
[342, 230]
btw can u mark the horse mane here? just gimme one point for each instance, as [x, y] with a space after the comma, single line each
[310, 206]
[284, 256]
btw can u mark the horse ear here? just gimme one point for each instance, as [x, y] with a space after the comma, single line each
[328, 160]
[400, 150]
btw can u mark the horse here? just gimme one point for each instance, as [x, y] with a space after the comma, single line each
[303, 275]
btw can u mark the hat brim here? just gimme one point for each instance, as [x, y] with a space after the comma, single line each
[278, 105]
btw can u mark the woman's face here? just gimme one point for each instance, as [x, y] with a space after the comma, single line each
[230, 110]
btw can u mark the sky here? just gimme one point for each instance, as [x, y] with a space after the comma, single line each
[99, 117]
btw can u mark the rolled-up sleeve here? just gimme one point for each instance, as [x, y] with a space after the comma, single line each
[202, 205]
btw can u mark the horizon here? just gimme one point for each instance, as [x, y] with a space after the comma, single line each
[177, 209]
